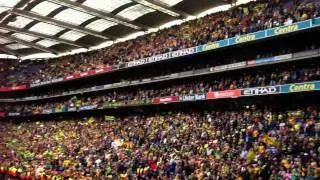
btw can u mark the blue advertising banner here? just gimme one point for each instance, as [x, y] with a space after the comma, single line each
[316, 22]
[247, 37]
[275, 58]
[264, 60]
[213, 45]
[289, 29]
[260, 35]
[193, 97]
[299, 87]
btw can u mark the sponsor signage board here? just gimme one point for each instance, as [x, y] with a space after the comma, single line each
[71, 109]
[47, 111]
[289, 28]
[13, 114]
[260, 91]
[161, 57]
[224, 94]
[299, 87]
[46, 82]
[272, 59]
[13, 88]
[193, 97]
[88, 107]
[164, 100]
[229, 66]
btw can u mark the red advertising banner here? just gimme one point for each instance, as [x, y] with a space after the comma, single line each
[3, 89]
[88, 73]
[107, 68]
[98, 71]
[68, 78]
[91, 72]
[13, 88]
[2, 114]
[251, 62]
[156, 101]
[164, 100]
[224, 94]
[76, 75]
[21, 87]
[84, 74]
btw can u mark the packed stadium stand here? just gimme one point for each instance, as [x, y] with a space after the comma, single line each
[233, 94]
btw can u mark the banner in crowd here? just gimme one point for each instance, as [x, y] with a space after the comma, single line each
[316, 22]
[46, 82]
[224, 94]
[213, 45]
[228, 42]
[161, 57]
[259, 35]
[98, 87]
[299, 87]
[193, 97]
[289, 28]
[13, 88]
[270, 59]
[14, 114]
[72, 109]
[88, 73]
[3, 89]
[90, 107]
[228, 66]
[47, 111]
[109, 118]
[247, 38]
[164, 100]
[257, 91]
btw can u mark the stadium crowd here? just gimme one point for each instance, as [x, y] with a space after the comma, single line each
[246, 143]
[242, 144]
[284, 75]
[254, 16]
[183, 67]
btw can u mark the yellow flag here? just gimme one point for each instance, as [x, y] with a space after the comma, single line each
[91, 120]
[271, 141]
[251, 155]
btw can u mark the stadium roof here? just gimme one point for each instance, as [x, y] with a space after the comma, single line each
[59, 26]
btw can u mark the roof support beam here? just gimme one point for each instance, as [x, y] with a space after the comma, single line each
[5, 36]
[39, 35]
[6, 50]
[59, 23]
[162, 8]
[100, 14]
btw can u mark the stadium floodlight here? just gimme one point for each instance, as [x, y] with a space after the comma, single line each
[29, 44]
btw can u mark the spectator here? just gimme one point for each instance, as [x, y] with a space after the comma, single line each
[239, 20]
